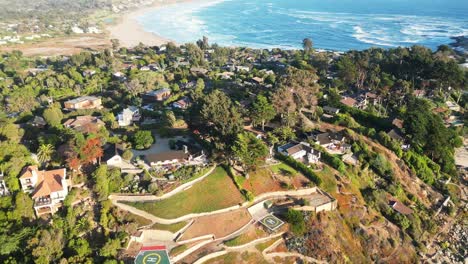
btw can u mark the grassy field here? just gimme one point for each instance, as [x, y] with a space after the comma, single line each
[328, 179]
[251, 234]
[283, 168]
[260, 181]
[262, 246]
[177, 250]
[215, 192]
[237, 257]
[171, 228]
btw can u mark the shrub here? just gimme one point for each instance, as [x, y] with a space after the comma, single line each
[143, 139]
[300, 167]
[296, 219]
[334, 161]
[127, 154]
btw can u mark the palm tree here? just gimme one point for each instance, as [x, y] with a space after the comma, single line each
[45, 152]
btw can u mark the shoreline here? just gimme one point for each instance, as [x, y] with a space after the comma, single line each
[130, 32]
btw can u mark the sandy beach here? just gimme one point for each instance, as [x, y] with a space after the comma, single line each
[130, 33]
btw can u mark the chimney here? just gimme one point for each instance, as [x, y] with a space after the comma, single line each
[185, 148]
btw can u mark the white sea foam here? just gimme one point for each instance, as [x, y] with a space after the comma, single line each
[245, 27]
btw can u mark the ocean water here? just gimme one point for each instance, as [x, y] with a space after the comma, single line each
[331, 24]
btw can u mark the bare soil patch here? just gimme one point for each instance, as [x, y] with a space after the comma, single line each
[61, 45]
[220, 225]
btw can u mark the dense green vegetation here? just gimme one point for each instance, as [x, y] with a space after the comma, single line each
[288, 104]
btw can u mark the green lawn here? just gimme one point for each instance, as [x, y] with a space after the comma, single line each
[177, 250]
[171, 228]
[217, 191]
[262, 246]
[282, 168]
[246, 237]
[328, 179]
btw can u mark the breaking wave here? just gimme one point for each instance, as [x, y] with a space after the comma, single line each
[267, 24]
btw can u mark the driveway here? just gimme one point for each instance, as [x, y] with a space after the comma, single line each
[161, 145]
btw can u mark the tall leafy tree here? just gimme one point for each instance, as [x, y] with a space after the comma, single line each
[221, 118]
[262, 111]
[307, 45]
[53, 116]
[249, 150]
[101, 179]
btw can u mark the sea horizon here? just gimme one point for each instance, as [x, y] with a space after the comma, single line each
[354, 25]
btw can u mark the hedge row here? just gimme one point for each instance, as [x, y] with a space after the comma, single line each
[366, 118]
[248, 195]
[308, 172]
[334, 162]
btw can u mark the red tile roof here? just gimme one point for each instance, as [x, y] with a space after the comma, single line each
[26, 173]
[348, 101]
[47, 181]
[401, 208]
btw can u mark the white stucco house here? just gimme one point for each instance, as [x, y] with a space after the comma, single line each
[128, 116]
[48, 188]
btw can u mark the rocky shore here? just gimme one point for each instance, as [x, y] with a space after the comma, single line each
[460, 44]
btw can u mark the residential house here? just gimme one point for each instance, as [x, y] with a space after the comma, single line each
[84, 102]
[395, 135]
[333, 142]
[3, 188]
[189, 85]
[350, 158]
[174, 159]
[182, 103]
[257, 80]
[88, 73]
[157, 95]
[453, 106]
[128, 116]
[38, 122]
[113, 159]
[242, 68]
[348, 101]
[227, 75]
[331, 110]
[154, 67]
[400, 207]
[300, 151]
[119, 76]
[197, 71]
[275, 57]
[168, 159]
[371, 98]
[398, 123]
[84, 124]
[419, 93]
[48, 188]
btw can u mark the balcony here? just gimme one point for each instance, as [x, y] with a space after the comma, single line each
[42, 201]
